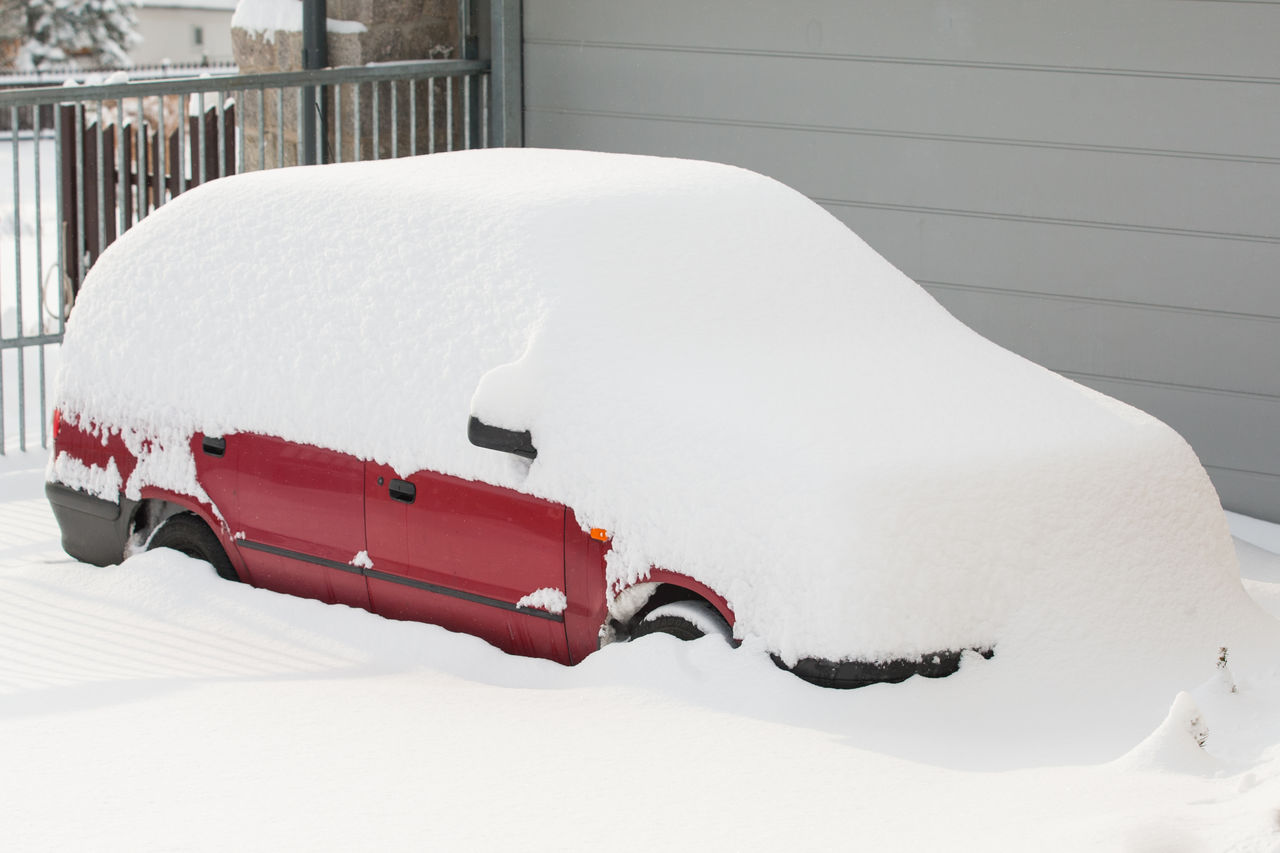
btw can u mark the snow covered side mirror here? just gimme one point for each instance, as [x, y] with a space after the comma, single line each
[496, 438]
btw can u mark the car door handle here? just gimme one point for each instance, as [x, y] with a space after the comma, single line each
[403, 491]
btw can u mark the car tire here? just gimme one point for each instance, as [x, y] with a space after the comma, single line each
[684, 620]
[189, 535]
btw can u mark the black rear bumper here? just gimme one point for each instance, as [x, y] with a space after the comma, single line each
[859, 673]
[93, 530]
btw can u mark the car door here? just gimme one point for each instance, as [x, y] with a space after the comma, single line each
[300, 517]
[462, 554]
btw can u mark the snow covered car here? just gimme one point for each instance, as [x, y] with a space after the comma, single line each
[557, 399]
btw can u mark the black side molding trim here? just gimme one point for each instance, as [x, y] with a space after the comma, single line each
[397, 579]
[465, 596]
[298, 555]
[213, 445]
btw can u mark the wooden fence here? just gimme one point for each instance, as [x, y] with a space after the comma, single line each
[105, 190]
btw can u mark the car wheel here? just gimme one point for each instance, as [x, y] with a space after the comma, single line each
[684, 620]
[189, 535]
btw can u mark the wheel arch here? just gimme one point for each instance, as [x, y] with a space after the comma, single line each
[158, 505]
[629, 606]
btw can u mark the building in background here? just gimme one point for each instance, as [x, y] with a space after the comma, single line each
[183, 32]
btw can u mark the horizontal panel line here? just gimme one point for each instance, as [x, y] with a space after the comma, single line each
[1048, 220]
[1012, 142]
[1099, 300]
[907, 60]
[1256, 396]
[1248, 471]
[1079, 223]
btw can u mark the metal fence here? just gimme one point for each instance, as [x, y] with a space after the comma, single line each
[89, 161]
[69, 75]
[59, 73]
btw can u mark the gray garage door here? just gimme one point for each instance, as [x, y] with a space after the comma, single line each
[1095, 185]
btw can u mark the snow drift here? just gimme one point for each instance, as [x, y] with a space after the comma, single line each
[712, 367]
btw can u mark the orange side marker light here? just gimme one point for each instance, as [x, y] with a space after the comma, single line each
[600, 534]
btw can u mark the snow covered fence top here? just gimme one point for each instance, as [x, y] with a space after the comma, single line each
[712, 367]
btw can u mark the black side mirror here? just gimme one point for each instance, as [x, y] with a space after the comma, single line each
[496, 438]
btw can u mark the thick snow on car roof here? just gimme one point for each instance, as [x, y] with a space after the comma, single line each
[712, 367]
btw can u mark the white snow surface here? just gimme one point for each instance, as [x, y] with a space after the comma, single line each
[548, 598]
[712, 367]
[177, 711]
[264, 17]
[101, 481]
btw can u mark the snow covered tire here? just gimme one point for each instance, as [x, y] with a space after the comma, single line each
[684, 620]
[189, 535]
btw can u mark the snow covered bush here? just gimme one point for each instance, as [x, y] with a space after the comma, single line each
[94, 32]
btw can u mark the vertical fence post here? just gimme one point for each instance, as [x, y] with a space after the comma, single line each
[448, 113]
[262, 128]
[315, 54]
[506, 91]
[63, 212]
[413, 117]
[377, 123]
[17, 272]
[337, 125]
[222, 133]
[163, 163]
[470, 87]
[40, 294]
[395, 115]
[78, 131]
[140, 160]
[180, 162]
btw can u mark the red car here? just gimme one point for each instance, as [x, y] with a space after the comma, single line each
[515, 570]
[557, 399]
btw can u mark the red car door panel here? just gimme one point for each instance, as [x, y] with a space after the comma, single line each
[300, 518]
[461, 554]
[216, 473]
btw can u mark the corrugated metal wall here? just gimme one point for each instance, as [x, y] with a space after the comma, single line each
[1095, 185]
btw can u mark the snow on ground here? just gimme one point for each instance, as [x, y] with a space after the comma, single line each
[152, 706]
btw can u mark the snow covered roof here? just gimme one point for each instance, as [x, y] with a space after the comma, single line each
[712, 367]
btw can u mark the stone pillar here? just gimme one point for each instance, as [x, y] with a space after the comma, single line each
[359, 32]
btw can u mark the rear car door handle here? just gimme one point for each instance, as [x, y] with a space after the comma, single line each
[403, 491]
